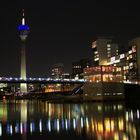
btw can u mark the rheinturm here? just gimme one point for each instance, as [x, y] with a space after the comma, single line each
[23, 29]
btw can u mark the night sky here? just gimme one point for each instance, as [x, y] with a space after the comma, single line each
[61, 31]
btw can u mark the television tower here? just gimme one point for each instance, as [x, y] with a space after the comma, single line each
[23, 33]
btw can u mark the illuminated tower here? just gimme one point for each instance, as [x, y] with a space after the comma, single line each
[23, 33]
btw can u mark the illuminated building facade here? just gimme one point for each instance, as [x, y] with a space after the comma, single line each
[134, 58]
[107, 53]
[57, 71]
[103, 74]
[23, 33]
[129, 61]
[102, 49]
[103, 83]
[107, 79]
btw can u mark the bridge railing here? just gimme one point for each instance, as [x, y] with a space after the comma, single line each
[12, 79]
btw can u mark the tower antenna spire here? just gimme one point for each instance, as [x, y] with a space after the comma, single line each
[23, 17]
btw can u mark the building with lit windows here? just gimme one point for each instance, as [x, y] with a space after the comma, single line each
[134, 58]
[57, 71]
[106, 79]
[103, 83]
[103, 74]
[78, 67]
[129, 61]
[102, 49]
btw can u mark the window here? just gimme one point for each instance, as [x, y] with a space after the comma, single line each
[108, 45]
[122, 56]
[112, 59]
[130, 56]
[94, 44]
[134, 48]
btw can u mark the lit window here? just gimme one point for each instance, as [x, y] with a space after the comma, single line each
[108, 55]
[130, 51]
[108, 45]
[95, 52]
[120, 69]
[122, 56]
[130, 56]
[131, 64]
[133, 48]
[127, 67]
[131, 67]
[94, 44]
[96, 59]
[124, 77]
[112, 59]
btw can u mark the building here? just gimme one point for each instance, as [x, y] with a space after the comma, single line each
[134, 58]
[103, 74]
[103, 83]
[66, 76]
[78, 67]
[57, 71]
[129, 61]
[23, 33]
[102, 49]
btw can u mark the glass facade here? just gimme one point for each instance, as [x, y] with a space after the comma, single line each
[103, 74]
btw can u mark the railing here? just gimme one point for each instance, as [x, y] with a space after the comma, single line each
[40, 80]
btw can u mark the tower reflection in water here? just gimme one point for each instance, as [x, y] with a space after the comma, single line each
[90, 120]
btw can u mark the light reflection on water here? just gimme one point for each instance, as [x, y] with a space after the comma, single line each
[88, 120]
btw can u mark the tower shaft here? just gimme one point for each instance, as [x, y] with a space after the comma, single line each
[23, 62]
[23, 33]
[23, 86]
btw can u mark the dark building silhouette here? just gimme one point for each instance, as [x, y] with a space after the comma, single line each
[78, 67]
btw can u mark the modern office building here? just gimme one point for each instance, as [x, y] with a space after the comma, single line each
[57, 70]
[103, 74]
[23, 33]
[134, 58]
[129, 61]
[103, 83]
[102, 49]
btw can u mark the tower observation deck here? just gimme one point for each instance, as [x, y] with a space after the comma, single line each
[23, 33]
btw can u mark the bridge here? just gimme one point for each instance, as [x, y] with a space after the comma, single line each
[41, 80]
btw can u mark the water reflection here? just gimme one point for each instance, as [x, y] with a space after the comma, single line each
[87, 120]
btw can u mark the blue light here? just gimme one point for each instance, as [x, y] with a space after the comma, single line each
[23, 27]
